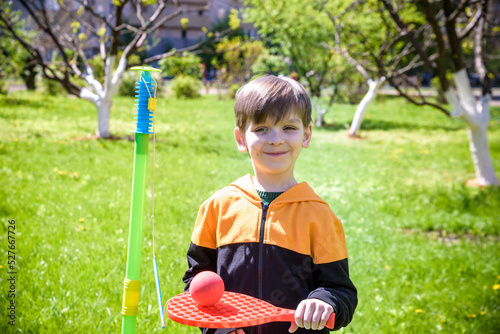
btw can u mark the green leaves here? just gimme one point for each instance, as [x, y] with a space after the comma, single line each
[234, 20]
[186, 64]
[75, 26]
[101, 32]
[13, 55]
[184, 22]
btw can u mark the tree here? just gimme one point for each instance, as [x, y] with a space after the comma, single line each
[184, 64]
[235, 54]
[230, 27]
[358, 33]
[293, 27]
[422, 36]
[14, 60]
[238, 57]
[187, 71]
[440, 40]
[350, 23]
[73, 30]
[270, 62]
[384, 39]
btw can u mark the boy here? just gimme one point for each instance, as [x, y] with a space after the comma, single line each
[267, 235]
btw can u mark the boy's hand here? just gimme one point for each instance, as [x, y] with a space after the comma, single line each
[311, 314]
[238, 331]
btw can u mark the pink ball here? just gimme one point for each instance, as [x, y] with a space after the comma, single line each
[206, 288]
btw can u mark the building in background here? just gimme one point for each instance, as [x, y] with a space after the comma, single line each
[174, 34]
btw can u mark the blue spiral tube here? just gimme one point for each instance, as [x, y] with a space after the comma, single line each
[145, 106]
[145, 89]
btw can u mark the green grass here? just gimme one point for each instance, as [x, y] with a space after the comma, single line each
[424, 249]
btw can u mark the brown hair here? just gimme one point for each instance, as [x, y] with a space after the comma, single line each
[273, 97]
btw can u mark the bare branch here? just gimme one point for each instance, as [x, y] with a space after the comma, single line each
[351, 7]
[138, 11]
[158, 11]
[180, 10]
[46, 28]
[48, 72]
[415, 62]
[472, 23]
[345, 52]
[9, 25]
[132, 45]
[71, 14]
[170, 53]
[88, 8]
[408, 49]
[478, 49]
[458, 10]
[453, 40]
[155, 22]
[412, 100]
[411, 36]
[479, 42]
[441, 60]
[115, 33]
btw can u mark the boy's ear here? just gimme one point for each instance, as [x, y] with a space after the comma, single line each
[240, 139]
[307, 137]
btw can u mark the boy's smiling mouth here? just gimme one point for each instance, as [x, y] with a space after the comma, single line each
[276, 154]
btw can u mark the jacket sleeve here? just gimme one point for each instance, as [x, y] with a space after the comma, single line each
[336, 288]
[202, 258]
[199, 259]
[202, 252]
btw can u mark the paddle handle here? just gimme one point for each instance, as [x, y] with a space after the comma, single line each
[331, 321]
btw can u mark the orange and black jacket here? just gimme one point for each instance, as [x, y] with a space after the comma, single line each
[292, 250]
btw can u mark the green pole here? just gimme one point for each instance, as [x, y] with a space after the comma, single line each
[146, 104]
[133, 272]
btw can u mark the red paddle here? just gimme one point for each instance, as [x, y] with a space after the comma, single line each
[234, 310]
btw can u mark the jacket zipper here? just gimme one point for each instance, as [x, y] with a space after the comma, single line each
[260, 267]
[260, 273]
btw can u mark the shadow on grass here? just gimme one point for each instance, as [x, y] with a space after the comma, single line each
[449, 239]
[383, 125]
[459, 209]
[17, 101]
[112, 138]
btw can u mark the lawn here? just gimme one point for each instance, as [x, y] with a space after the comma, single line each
[424, 249]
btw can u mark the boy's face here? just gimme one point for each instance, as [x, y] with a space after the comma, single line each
[274, 148]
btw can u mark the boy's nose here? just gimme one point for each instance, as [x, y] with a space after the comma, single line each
[275, 138]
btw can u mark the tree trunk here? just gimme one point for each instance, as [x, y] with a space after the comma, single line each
[28, 75]
[477, 117]
[373, 85]
[103, 96]
[480, 151]
[316, 101]
[319, 120]
[102, 101]
[103, 112]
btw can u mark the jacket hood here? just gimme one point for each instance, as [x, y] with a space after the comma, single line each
[301, 192]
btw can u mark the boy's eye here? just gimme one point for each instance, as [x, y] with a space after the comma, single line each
[290, 127]
[260, 129]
